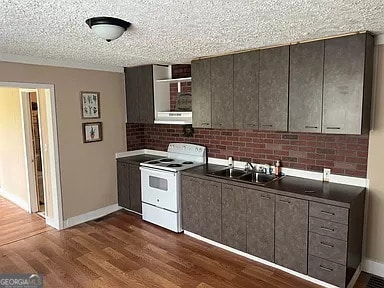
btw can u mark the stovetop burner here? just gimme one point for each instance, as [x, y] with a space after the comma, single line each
[153, 162]
[187, 162]
[166, 160]
[174, 165]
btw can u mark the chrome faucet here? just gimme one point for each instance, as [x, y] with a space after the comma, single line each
[249, 166]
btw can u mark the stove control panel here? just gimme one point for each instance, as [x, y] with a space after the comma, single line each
[186, 148]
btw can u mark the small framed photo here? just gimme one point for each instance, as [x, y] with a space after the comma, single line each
[92, 132]
[90, 105]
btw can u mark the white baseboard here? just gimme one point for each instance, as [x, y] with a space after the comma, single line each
[257, 259]
[373, 267]
[15, 199]
[51, 222]
[90, 215]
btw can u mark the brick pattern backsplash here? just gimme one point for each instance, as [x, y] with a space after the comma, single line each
[135, 136]
[344, 154]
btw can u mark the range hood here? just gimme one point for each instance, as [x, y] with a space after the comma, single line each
[174, 117]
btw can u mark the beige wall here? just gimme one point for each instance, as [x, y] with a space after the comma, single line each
[375, 233]
[13, 179]
[88, 171]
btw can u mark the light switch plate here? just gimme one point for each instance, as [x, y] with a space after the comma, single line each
[326, 174]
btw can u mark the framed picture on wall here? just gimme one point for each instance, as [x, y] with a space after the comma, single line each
[90, 105]
[92, 132]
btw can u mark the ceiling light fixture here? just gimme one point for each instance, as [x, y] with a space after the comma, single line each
[108, 28]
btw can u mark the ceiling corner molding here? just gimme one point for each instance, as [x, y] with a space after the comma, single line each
[379, 39]
[58, 63]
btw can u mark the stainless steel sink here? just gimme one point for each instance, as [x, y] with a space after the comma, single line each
[228, 173]
[257, 178]
[245, 176]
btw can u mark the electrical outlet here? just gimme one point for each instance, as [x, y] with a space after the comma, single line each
[326, 174]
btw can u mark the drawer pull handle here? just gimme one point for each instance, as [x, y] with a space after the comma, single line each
[328, 229]
[205, 123]
[267, 125]
[326, 268]
[265, 197]
[326, 244]
[285, 201]
[333, 128]
[250, 124]
[328, 213]
[310, 127]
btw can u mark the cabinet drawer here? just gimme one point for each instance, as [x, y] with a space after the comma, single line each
[328, 228]
[328, 248]
[328, 212]
[326, 271]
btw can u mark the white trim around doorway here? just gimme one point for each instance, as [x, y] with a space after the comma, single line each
[57, 220]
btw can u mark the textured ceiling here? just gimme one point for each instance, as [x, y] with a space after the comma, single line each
[174, 31]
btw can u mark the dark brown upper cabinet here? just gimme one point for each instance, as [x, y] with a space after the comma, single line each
[306, 87]
[246, 90]
[201, 93]
[348, 68]
[222, 91]
[273, 89]
[139, 94]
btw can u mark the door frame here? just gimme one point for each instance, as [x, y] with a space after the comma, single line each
[29, 158]
[56, 220]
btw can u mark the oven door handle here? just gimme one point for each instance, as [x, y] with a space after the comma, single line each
[156, 171]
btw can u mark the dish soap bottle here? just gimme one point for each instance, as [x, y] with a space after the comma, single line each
[277, 168]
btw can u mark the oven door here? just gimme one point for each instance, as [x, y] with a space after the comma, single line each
[160, 188]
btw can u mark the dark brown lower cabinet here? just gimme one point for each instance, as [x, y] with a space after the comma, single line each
[201, 207]
[191, 204]
[135, 187]
[210, 195]
[321, 240]
[129, 186]
[123, 198]
[261, 224]
[291, 233]
[233, 217]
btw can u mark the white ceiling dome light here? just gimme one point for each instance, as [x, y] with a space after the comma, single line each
[108, 28]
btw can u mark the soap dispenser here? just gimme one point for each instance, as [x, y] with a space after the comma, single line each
[277, 168]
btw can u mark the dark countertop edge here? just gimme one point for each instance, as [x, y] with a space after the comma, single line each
[138, 158]
[201, 171]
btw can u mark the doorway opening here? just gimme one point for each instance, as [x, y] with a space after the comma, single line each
[34, 184]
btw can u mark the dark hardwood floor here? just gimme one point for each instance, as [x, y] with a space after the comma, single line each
[121, 250]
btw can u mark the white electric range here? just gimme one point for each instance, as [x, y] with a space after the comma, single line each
[161, 184]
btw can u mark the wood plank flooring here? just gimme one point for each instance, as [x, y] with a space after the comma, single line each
[17, 224]
[121, 250]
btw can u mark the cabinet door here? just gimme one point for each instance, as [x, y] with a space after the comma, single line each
[135, 187]
[233, 217]
[131, 94]
[291, 233]
[145, 94]
[261, 224]
[123, 198]
[201, 91]
[306, 87]
[210, 218]
[222, 91]
[246, 90]
[273, 89]
[191, 209]
[343, 84]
